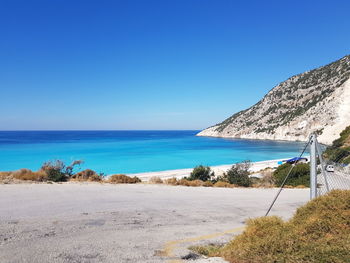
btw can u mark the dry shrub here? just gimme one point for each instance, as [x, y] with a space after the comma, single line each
[123, 179]
[87, 175]
[58, 171]
[155, 180]
[196, 183]
[184, 182]
[224, 184]
[172, 181]
[5, 177]
[29, 175]
[207, 184]
[267, 180]
[301, 186]
[55, 171]
[318, 232]
[212, 250]
[4, 174]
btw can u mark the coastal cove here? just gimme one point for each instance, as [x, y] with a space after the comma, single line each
[134, 151]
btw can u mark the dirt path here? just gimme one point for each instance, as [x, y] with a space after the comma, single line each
[125, 223]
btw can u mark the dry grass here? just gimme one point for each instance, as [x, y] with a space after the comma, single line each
[186, 182]
[197, 183]
[224, 184]
[171, 181]
[123, 179]
[318, 232]
[29, 175]
[86, 175]
[212, 250]
[194, 183]
[5, 177]
[207, 184]
[267, 180]
[155, 180]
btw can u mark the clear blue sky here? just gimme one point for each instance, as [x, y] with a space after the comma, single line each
[155, 64]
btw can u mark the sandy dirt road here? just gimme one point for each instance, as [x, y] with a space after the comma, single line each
[125, 223]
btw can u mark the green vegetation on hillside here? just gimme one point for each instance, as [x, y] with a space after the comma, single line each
[339, 151]
[319, 232]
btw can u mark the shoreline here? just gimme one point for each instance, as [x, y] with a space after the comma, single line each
[218, 170]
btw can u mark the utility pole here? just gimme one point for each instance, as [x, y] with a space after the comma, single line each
[313, 167]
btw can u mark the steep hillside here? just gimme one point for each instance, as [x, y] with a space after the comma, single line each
[314, 101]
[339, 151]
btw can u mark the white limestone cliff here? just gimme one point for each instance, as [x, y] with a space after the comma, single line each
[314, 101]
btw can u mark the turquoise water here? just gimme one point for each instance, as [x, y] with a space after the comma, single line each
[133, 151]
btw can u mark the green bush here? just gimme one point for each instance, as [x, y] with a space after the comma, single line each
[300, 174]
[55, 171]
[201, 172]
[239, 174]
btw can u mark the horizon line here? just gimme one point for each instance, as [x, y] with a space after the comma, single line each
[108, 130]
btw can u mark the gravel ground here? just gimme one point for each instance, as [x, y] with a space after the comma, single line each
[125, 223]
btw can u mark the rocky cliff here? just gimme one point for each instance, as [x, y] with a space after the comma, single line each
[314, 101]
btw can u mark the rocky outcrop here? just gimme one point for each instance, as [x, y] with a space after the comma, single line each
[314, 101]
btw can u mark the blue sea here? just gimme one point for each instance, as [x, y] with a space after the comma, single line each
[133, 151]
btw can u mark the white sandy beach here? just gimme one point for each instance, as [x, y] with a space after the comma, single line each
[219, 170]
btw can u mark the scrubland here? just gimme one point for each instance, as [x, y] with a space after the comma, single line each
[319, 232]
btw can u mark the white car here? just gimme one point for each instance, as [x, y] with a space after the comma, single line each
[330, 168]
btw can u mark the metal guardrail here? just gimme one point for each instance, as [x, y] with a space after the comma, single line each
[322, 180]
[339, 179]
